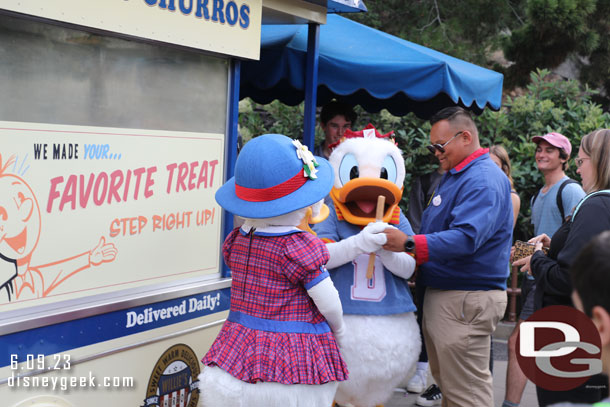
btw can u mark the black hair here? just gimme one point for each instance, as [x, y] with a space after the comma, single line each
[451, 113]
[563, 154]
[335, 108]
[590, 273]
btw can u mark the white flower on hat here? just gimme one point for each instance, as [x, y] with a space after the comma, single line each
[369, 133]
[310, 164]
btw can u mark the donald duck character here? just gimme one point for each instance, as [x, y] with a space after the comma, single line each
[278, 346]
[383, 343]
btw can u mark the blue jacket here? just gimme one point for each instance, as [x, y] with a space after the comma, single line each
[466, 231]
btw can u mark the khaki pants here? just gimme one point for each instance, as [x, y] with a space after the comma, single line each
[457, 328]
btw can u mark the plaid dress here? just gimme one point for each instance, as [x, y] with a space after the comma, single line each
[274, 332]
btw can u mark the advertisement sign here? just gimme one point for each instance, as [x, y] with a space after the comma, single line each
[89, 210]
[230, 27]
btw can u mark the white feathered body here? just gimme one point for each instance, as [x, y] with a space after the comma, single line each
[381, 352]
[220, 389]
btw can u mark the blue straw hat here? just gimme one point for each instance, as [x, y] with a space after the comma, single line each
[275, 175]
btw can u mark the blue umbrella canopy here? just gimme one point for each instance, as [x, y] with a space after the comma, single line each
[364, 66]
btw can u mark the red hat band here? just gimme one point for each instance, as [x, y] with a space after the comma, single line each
[269, 194]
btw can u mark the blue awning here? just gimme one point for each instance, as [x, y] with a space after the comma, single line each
[364, 66]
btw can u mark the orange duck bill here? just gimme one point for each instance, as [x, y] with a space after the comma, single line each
[356, 201]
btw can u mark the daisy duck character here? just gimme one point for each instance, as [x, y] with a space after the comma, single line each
[278, 346]
[383, 344]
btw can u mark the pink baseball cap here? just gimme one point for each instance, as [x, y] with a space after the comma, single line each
[556, 140]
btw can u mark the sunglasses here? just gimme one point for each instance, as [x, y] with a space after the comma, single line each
[441, 147]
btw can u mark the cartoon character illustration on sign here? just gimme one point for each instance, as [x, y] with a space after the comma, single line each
[384, 341]
[20, 226]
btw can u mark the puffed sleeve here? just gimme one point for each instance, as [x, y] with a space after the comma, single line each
[228, 243]
[304, 259]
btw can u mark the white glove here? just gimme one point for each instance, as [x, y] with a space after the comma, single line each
[399, 264]
[325, 296]
[369, 240]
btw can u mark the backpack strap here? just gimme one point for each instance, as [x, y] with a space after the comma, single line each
[603, 191]
[559, 202]
[560, 197]
[533, 199]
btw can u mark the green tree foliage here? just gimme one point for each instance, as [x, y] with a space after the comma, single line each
[553, 30]
[595, 70]
[531, 33]
[275, 117]
[548, 105]
[466, 29]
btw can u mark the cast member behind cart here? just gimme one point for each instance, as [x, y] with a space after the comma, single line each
[335, 118]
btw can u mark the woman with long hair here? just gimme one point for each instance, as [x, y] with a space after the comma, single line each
[499, 155]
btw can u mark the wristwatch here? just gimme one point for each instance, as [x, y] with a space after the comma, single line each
[410, 245]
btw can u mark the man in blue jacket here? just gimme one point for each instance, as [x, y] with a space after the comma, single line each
[463, 250]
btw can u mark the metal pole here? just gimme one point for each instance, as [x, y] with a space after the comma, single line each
[311, 85]
[231, 156]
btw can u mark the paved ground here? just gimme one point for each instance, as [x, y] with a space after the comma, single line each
[402, 399]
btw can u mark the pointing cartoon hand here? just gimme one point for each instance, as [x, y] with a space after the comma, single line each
[102, 253]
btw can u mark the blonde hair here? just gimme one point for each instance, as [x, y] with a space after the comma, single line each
[597, 146]
[502, 155]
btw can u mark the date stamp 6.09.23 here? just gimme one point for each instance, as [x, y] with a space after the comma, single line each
[39, 362]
